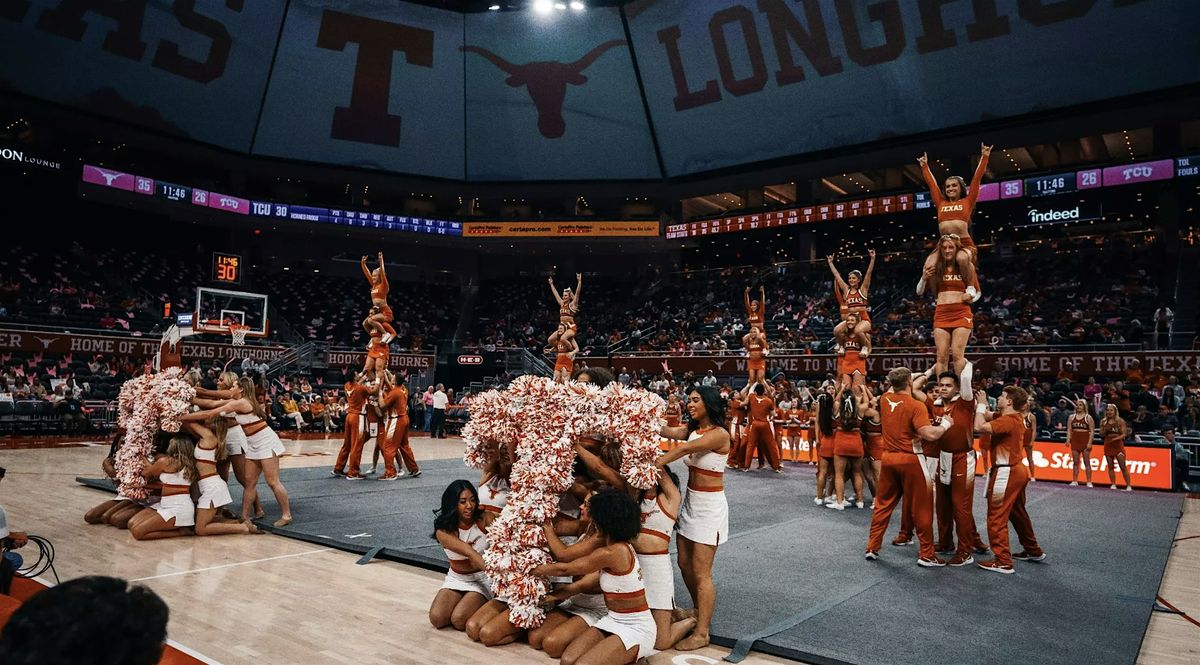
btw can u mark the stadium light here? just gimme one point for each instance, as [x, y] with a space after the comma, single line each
[543, 6]
[577, 5]
[494, 8]
[560, 6]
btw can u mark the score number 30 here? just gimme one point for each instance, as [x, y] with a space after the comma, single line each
[227, 268]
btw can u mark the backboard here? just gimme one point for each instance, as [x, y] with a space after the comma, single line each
[216, 309]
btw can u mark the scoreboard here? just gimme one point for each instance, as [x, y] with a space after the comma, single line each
[202, 198]
[839, 210]
[227, 268]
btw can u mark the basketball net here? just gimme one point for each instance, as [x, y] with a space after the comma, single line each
[238, 333]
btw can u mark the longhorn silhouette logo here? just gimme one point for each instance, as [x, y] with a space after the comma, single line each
[546, 82]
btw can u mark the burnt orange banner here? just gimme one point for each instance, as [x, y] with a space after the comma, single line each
[540, 229]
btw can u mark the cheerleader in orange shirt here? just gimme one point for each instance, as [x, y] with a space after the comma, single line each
[852, 298]
[755, 309]
[824, 434]
[872, 428]
[566, 349]
[379, 322]
[737, 431]
[755, 343]
[568, 307]
[954, 209]
[847, 447]
[1081, 426]
[952, 319]
[852, 364]
[1113, 429]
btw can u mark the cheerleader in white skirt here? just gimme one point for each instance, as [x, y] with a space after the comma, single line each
[235, 439]
[175, 510]
[660, 506]
[214, 492]
[263, 448]
[458, 527]
[627, 632]
[704, 515]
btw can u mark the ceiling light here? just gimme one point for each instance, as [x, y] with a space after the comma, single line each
[577, 5]
[543, 6]
[560, 6]
[494, 8]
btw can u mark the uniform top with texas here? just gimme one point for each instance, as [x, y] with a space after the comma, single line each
[761, 408]
[395, 402]
[954, 216]
[960, 437]
[902, 415]
[356, 398]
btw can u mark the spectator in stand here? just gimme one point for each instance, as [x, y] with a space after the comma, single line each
[74, 415]
[291, 410]
[1143, 421]
[439, 402]
[427, 401]
[709, 380]
[623, 378]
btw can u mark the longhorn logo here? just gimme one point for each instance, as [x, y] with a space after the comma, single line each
[45, 342]
[547, 82]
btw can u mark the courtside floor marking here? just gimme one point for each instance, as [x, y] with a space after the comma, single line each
[230, 565]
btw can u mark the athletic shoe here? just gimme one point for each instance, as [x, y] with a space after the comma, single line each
[996, 568]
[1032, 479]
[902, 540]
[372, 471]
[818, 500]
[779, 470]
[415, 474]
[337, 472]
[1112, 487]
[1073, 484]
[354, 476]
[859, 504]
[1090, 485]
[960, 560]
[388, 476]
[871, 555]
[1026, 556]
[836, 506]
[933, 562]
[864, 353]
[388, 337]
[829, 500]
[1128, 488]
[839, 349]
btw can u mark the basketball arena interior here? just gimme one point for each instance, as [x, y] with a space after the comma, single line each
[654, 331]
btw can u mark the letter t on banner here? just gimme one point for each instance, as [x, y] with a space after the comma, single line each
[367, 120]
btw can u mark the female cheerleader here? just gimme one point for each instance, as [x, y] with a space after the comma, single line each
[852, 363]
[674, 412]
[214, 493]
[704, 516]
[568, 307]
[235, 438]
[852, 298]
[627, 632]
[952, 319]
[660, 508]
[489, 624]
[755, 309]
[565, 351]
[115, 512]
[458, 528]
[580, 602]
[379, 321]
[755, 343]
[872, 429]
[737, 408]
[1082, 427]
[263, 448]
[847, 447]
[1027, 442]
[825, 431]
[167, 518]
[1113, 429]
[954, 213]
[783, 425]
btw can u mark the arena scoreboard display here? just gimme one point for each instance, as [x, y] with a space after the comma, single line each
[227, 268]
[184, 195]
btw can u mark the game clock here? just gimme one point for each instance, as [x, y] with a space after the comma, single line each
[1049, 185]
[227, 268]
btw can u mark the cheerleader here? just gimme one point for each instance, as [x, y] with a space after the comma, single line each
[627, 632]
[660, 508]
[755, 309]
[1027, 441]
[824, 428]
[493, 485]
[674, 412]
[263, 448]
[955, 206]
[952, 319]
[852, 299]
[568, 307]
[1113, 429]
[1082, 427]
[379, 322]
[565, 351]
[847, 447]
[214, 492]
[704, 516]
[115, 512]
[755, 343]
[458, 528]
[176, 470]
[872, 429]
[738, 408]
[580, 602]
[235, 438]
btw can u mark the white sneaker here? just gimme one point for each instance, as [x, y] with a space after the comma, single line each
[839, 349]
[1090, 485]
[865, 352]
[859, 504]
[1112, 487]
[388, 337]
[818, 500]
[1073, 484]
[1128, 489]
[836, 506]
[829, 500]
[1033, 480]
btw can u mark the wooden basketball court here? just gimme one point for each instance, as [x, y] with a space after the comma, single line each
[269, 599]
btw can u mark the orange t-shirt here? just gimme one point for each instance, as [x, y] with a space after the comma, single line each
[1008, 436]
[902, 416]
[356, 398]
[761, 408]
[395, 402]
[960, 437]
[962, 209]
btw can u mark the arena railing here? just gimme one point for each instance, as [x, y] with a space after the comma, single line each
[884, 350]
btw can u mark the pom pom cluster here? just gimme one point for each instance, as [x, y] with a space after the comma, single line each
[147, 404]
[543, 419]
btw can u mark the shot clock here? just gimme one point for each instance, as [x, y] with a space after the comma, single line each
[227, 268]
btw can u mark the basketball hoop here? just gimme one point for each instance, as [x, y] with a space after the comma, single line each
[238, 333]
